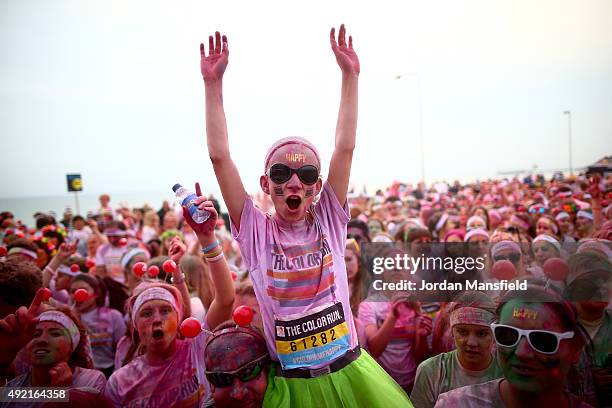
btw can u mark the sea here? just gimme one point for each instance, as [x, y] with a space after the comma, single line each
[24, 207]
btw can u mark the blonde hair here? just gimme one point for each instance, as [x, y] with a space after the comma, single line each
[197, 278]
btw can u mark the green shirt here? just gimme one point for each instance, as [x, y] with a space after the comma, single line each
[443, 373]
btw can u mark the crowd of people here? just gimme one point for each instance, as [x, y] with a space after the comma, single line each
[272, 303]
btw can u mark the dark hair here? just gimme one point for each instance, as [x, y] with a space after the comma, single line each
[77, 218]
[355, 223]
[44, 220]
[19, 281]
[22, 243]
[486, 218]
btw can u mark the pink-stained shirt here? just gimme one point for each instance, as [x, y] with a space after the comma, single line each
[397, 359]
[110, 257]
[297, 267]
[105, 327]
[178, 381]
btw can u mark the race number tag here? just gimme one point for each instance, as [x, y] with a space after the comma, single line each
[313, 339]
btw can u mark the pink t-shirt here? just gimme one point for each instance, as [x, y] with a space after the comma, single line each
[178, 381]
[397, 359]
[110, 257]
[299, 276]
[105, 327]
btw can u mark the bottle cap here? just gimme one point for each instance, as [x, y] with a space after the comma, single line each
[176, 187]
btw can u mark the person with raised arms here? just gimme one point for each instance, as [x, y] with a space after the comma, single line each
[296, 257]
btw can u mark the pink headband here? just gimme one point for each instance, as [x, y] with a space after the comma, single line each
[471, 315]
[114, 232]
[501, 245]
[517, 220]
[495, 214]
[475, 232]
[290, 140]
[154, 293]
[455, 232]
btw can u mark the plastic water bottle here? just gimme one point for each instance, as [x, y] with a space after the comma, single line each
[187, 199]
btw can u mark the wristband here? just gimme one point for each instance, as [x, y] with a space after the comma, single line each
[216, 258]
[178, 281]
[213, 253]
[210, 247]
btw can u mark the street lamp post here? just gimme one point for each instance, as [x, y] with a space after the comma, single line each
[569, 134]
[420, 100]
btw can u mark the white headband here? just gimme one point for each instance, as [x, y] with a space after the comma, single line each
[66, 270]
[23, 251]
[562, 215]
[585, 214]
[154, 293]
[65, 322]
[132, 253]
[441, 222]
[475, 218]
[552, 225]
[475, 232]
[505, 245]
[549, 239]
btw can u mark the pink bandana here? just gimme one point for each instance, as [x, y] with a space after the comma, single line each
[471, 315]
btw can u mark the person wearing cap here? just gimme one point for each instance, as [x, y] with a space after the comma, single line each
[237, 366]
[56, 348]
[589, 287]
[161, 369]
[473, 360]
[296, 257]
[538, 339]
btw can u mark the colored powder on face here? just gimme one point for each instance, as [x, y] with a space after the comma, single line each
[278, 191]
[309, 192]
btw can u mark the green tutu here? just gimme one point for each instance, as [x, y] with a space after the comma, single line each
[362, 383]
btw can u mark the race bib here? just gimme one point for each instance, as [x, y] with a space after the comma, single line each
[317, 338]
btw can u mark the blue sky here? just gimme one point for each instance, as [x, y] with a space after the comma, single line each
[112, 89]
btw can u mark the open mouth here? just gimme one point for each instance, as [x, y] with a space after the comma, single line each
[158, 334]
[524, 370]
[293, 202]
[40, 352]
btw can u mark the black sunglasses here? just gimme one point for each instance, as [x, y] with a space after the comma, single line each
[246, 373]
[281, 173]
[514, 258]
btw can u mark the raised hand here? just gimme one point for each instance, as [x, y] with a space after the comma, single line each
[214, 65]
[66, 250]
[17, 329]
[177, 249]
[345, 54]
[206, 230]
[593, 188]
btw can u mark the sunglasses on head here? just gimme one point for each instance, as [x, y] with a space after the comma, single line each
[514, 258]
[281, 173]
[542, 341]
[246, 373]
